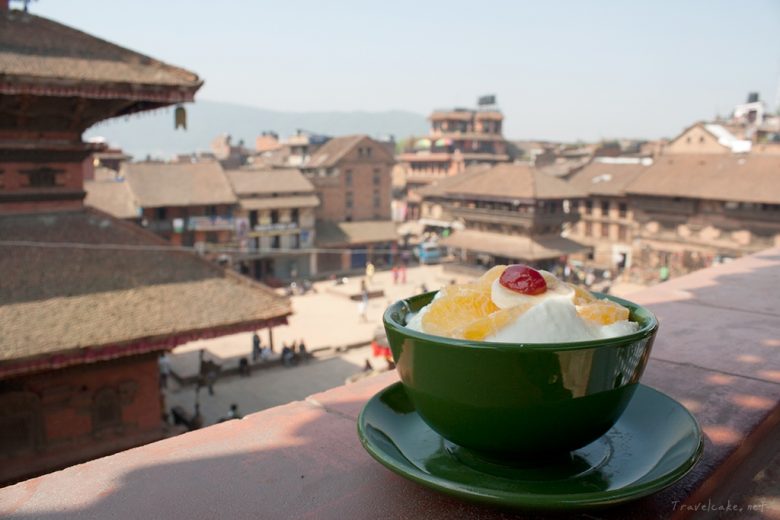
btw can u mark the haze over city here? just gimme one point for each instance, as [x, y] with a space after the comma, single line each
[566, 71]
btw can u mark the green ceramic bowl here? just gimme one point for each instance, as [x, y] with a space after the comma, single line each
[504, 399]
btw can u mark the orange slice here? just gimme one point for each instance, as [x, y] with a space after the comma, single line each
[603, 312]
[459, 306]
[480, 329]
[581, 295]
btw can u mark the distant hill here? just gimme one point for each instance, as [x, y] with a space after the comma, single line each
[153, 133]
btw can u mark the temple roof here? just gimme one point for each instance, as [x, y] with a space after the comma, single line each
[47, 58]
[120, 291]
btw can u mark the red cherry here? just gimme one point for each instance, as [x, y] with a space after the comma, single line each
[523, 279]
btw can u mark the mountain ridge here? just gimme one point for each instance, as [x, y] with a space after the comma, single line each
[152, 134]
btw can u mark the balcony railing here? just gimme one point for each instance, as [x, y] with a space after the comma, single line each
[666, 205]
[210, 224]
[763, 215]
[277, 228]
[502, 216]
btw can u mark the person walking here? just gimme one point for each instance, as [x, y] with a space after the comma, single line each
[405, 257]
[256, 350]
[363, 305]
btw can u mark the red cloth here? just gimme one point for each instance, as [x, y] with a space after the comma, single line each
[380, 350]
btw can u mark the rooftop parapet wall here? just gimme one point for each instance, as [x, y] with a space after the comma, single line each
[716, 353]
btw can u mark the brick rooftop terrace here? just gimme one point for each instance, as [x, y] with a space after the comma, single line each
[718, 352]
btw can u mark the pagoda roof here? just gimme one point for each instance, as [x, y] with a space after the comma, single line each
[82, 286]
[42, 57]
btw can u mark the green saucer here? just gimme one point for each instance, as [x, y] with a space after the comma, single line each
[654, 443]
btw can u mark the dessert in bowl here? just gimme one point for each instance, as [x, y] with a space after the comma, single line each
[519, 363]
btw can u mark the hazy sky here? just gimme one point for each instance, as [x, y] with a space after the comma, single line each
[561, 70]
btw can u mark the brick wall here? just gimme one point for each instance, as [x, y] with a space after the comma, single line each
[355, 181]
[63, 406]
[18, 195]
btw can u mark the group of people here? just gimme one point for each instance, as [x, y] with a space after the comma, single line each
[291, 354]
[399, 273]
[195, 421]
[294, 353]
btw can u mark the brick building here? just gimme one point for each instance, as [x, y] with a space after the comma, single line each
[185, 203]
[458, 138]
[693, 210]
[87, 302]
[607, 216]
[276, 223]
[511, 213]
[352, 176]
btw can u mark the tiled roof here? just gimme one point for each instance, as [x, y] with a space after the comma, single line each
[36, 49]
[743, 178]
[113, 197]
[564, 168]
[513, 246]
[331, 152]
[334, 150]
[268, 180]
[503, 181]
[75, 299]
[178, 184]
[347, 233]
[600, 178]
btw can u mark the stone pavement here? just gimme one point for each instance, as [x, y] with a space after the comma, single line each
[271, 387]
[325, 319]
